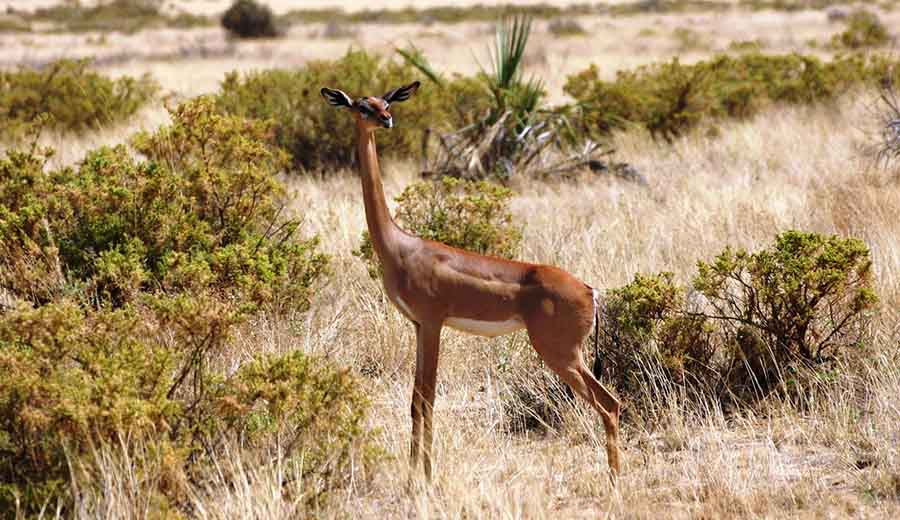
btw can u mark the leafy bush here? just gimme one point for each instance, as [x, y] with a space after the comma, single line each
[471, 215]
[320, 137]
[647, 332]
[864, 29]
[127, 279]
[116, 15]
[806, 299]
[202, 212]
[91, 378]
[71, 94]
[249, 19]
[10, 23]
[442, 14]
[751, 323]
[565, 27]
[670, 98]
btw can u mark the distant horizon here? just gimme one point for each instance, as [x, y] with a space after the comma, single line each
[211, 7]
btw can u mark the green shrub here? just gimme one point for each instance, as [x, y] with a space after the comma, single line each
[72, 96]
[249, 19]
[10, 23]
[647, 333]
[864, 29]
[747, 45]
[442, 14]
[670, 98]
[806, 300]
[560, 27]
[201, 212]
[750, 323]
[127, 279]
[320, 137]
[471, 215]
[126, 16]
[89, 378]
[688, 40]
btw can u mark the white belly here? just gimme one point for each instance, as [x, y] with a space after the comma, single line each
[485, 328]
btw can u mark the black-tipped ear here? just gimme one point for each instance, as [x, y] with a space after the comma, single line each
[402, 93]
[336, 98]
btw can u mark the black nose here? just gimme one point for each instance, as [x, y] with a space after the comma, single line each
[387, 122]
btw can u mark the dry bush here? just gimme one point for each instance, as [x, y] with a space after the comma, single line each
[689, 40]
[116, 15]
[669, 99]
[864, 29]
[320, 138]
[249, 19]
[203, 212]
[69, 96]
[334, 31]
[128, 281]
[563, 27]
[534, 399]
[888, 114]
[767, 320]
[518, 136]
[470, 215]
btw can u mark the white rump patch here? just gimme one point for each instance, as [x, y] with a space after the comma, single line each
[489, 329]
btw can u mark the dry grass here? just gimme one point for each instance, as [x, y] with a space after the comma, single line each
[191, 62]
[789, 168]
[792, 168]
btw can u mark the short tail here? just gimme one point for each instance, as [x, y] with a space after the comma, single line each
[597, 367]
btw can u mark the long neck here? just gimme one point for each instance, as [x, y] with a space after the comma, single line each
[382, 228]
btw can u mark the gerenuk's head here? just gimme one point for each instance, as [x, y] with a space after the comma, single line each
[370, 112]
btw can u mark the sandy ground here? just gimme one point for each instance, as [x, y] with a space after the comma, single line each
[190, 62]
[212, 7]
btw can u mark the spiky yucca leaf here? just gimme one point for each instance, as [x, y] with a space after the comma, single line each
[510, 40]
[415, 57]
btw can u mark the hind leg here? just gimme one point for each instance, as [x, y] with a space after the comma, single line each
[588, 388]
[564, 358]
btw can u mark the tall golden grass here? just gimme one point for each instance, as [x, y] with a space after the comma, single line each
[789, 168]
[805, 168]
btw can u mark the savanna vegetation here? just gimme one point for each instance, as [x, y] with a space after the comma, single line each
[69, 96]
[249, 19]
[471, 215]
[124, 280]
[669, 99]
[187, 328]
[321, 139]
[112, 15]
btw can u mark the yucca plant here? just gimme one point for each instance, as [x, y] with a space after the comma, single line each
[888, 150]
[511, 93]
[517, 134]
[416, 58]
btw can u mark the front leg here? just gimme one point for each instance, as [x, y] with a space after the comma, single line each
[429, 348]
[416, 405]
